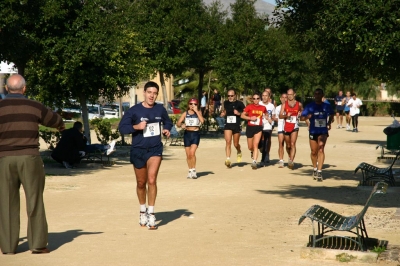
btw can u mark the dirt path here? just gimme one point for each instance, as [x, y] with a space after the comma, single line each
[234, 216]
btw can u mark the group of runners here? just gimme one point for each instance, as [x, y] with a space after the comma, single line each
[144, 122]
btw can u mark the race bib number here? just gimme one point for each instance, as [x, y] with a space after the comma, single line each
[192, 122]
[151, 130]
[231, 119]
[320, 123]
[257, 122]
[291, 119]
[339, 103]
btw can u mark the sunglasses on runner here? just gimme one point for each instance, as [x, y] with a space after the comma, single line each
[231, 95]
[192, 103]
[256, 98]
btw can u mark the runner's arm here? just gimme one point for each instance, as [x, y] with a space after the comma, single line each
[180, 120]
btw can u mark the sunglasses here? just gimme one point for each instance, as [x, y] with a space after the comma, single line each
[192, 103]
[231, 95]
[256, 98]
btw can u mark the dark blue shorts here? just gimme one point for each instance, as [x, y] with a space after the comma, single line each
[139, 156]
[190, 138]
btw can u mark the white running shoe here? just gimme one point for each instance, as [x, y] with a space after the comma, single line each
[151, 223]
[254, 165]
[281, 164]
[348, 127]
[194, 174]
[143, 219]
[189, 176]
[67, 165]
[337, 126]
[111, 149]
[319, 176]
[314, 174]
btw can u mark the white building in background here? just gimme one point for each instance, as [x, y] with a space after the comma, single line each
[6, 68]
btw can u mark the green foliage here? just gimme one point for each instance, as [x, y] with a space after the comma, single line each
[104, 133]
[344, 257]
[352, 40]
[378, 249]
[50, 137]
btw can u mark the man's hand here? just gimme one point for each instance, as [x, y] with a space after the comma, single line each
[166, 133]
[236, 112]
[140, 126]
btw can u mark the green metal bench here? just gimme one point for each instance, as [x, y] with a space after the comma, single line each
[329, 221]
[373, 173]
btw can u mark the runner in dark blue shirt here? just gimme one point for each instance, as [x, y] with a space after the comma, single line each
[318, 116]
[144, 121]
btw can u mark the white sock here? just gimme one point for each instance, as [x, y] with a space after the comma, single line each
[193, 169]
[151, 209]
[315, 169]
[281, 160]
[228, 158]
[319, 171]
[143, 208]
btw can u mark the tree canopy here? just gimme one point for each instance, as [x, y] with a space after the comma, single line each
[352, 40]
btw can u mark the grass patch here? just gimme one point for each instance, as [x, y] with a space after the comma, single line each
[344, 257]
[378, 249]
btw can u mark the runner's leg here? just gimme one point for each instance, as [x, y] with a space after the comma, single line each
[255, 140]
[321, 150]
[141, 181]
[314, 152]
[228, 141]
[293, 140]
[153, 165]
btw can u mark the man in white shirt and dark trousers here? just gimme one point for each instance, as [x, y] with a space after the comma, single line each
[354, 104]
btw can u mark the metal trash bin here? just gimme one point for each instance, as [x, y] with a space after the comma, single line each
[393, 138]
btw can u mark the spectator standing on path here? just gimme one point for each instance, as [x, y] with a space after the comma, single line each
[339, 103]
[281, 139]
[291, 111]
[143, 121]
[268, 125]
[217, 102]
[253, 113]
[203, 104]
[318, 116]
[232, 129]
[72, 146]
[192, 119]
[354, 104]
[347, 110]
[20, 163]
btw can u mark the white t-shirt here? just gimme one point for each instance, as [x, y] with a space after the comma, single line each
[270, 113]
[355, 108]
[281, 122]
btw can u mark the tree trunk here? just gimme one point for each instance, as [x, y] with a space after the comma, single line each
[85, 116]
[164, 90]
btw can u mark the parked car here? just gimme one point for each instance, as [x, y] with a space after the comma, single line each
[174, 105]
[111, 111]
[95, 111]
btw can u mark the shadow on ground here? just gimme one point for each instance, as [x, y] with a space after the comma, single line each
[56, 240]
[167, 217]
[338, 195]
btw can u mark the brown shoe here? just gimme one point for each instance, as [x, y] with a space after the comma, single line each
[40, 250]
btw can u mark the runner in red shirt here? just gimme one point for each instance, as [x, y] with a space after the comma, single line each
[291, 111]
[253, 113]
